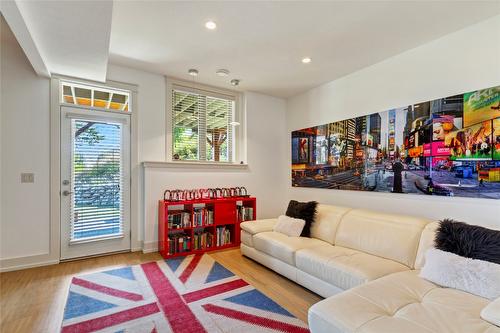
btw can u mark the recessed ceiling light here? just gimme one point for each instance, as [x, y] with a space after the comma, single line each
[235, 82]
[210, 25]
[306, 60]
[193, 72]
[222, 72]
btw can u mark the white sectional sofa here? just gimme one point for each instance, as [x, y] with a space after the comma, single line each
[366, 265]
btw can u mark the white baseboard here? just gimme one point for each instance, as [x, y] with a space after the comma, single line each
[148, 247]
[14, 264]
[136, 246]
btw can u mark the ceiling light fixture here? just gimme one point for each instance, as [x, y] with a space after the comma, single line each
[210, 25]
[234, 123]
[222, 72]
[306, 60]
[193, 72]
[235, 82]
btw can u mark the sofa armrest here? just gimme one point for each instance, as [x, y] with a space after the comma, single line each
[254, 227]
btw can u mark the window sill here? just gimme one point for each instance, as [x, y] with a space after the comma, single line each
[194, 165]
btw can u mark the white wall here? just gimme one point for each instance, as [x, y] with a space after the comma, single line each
[266, 150]
[151, 109]
[463, 61]
[150, 113]
[264, 178]
[25, 134]
[457, 63]
[24, 223]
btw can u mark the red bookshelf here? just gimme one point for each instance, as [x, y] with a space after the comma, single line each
[197, 226]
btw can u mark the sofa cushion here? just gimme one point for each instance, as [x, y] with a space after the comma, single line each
[342, 267]
[394, 237]
[289, 226]
[254, 227]
[426, 242]
[478, 277]
[400, 302]
[281, 246]
[327, 220]
[471, 241]
[305, 211]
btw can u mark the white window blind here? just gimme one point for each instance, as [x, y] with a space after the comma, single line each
[202, 126]
[96, 180]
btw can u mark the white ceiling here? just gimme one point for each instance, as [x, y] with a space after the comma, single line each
[262, 43]
[72, 37]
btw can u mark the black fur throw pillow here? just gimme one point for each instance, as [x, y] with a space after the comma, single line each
[469, 241]
[305, 211]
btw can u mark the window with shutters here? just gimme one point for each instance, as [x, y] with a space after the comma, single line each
[202, 126]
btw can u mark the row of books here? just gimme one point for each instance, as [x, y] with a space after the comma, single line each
[202, 240]
[179, 243]
[223, 236]
[203, 216]
[245, 213]
[182, 243]
[178, 220]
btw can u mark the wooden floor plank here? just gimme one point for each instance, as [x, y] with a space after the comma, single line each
[32, 300]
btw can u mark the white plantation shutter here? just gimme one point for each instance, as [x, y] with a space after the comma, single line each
[96, 180]
[219, 129]
[202, 126]
[186, 110]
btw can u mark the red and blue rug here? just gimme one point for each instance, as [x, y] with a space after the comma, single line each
[181, 295]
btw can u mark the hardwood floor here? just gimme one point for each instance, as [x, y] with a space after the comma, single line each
[286, 293]
[32, 300]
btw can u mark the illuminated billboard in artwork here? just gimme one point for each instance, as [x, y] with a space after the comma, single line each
[496, 139]
[471, 143]
[392, 128]
[448, 146]
[444, 124]
[481, 105]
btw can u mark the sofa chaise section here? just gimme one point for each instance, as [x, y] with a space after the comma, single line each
[400, 302]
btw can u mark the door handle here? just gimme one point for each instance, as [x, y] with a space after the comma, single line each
[66, 193]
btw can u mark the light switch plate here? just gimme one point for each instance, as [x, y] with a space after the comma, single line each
[27, 177]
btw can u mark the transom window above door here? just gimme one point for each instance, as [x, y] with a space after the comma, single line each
[94, 96]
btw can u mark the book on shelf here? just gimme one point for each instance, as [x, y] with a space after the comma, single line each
[179, 243]
[223, 236]
[202, 216]
[245, 213]
[202, 240]
[178, 219]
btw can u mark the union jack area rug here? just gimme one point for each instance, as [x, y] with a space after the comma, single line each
[182, 295]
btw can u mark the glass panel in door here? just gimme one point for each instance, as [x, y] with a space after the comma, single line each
[95, 173]
[96, 180]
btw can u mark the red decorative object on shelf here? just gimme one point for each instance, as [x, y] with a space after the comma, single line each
[201, 225]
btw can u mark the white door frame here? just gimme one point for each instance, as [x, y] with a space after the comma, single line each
[106, 245]
[54, 253]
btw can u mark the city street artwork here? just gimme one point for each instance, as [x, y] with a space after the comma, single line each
[447, 147]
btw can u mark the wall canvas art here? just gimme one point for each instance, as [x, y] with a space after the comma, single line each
[448, 147]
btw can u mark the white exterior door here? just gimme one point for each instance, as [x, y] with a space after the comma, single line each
[95, 182]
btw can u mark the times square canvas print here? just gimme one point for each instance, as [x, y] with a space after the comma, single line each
[446, 147]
